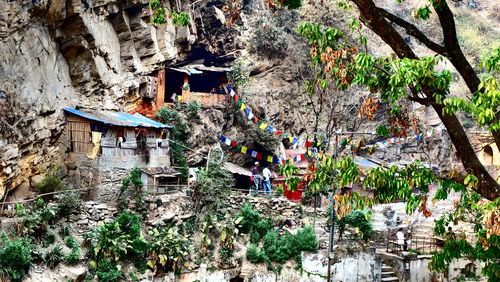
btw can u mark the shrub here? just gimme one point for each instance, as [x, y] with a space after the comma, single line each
[54, 256]
[249, 221]
[134, 179]
[213, 184]
[49, 183]
[108, 271]
[247, 216]
[68, 202]
[36, 219]
[180, 133]
[74, 256]
[238, 76]
[269, 40]
[65, 230]
[193, 109]
[262, 140]
[281, 248]
[357, 219]
[118, 239]
[15, 257]
[168, 249]
[260, 228]
[255, 255]
[49, 239]
[70, 242]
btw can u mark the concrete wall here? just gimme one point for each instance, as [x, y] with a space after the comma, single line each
[130, 162]
[420, 272]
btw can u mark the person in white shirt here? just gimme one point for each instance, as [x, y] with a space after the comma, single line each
[401, 238]
[266, 174]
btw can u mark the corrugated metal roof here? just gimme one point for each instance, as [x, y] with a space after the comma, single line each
[119, 118]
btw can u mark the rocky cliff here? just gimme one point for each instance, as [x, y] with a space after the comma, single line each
[86, 54]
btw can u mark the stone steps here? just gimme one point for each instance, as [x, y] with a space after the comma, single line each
[389, 279]
[388, 274]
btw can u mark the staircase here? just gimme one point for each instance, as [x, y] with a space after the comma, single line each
[388, 274]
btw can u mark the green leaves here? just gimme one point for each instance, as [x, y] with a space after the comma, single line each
[292, 4]
[382, 131]
[180, 19]
[422, 13]
[364, 61]
[486, 101]
[159, 16]
[492, 61]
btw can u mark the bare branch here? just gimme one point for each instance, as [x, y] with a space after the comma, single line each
[412, 30]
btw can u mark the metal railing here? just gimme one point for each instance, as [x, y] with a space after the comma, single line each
[419, 245]
[166, 189]
[260, 193]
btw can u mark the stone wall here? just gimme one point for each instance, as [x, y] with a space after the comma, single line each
[276, 207]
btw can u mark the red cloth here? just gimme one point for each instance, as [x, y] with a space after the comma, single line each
[233, 144]
[259, 156]
[308, 144]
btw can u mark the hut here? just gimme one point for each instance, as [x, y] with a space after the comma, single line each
[160, 180]
[195, 81]
[117, 138]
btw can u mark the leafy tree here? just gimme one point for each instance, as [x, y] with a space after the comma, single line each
[485, 218]
[134, 179]
[213, 184]
[178, 138]
[410, 78]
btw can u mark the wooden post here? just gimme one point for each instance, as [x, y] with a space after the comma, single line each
[160, 97]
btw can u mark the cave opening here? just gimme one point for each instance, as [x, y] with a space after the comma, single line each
[236, 279]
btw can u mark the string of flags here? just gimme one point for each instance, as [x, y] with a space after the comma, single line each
[264, 157]
[264, 126]
[418, 137]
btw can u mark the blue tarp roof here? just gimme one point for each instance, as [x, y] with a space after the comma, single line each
[119, 118]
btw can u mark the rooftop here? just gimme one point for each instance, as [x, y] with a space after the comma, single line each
[118, 118]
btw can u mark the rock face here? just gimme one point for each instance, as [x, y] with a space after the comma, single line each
[85, 54]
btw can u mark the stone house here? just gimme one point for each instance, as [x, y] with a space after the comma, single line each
[103, 147]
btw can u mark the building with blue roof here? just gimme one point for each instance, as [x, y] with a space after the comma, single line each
[110, 136]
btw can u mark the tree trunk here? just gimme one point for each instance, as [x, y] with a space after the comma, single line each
[372, 17]
[487, 186]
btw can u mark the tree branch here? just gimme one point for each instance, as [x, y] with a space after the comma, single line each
[412, 30]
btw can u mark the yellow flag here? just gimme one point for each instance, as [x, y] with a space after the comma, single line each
[270, 159]
[290, 139]
[244, 149]
[243, 107]
[263, 126]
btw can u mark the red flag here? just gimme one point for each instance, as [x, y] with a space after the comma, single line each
[259, 156]
[303, 156]
[255, 120]
[279, 132]
[308, 144]
[233, 144]
[236, 97]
